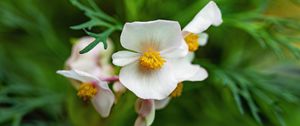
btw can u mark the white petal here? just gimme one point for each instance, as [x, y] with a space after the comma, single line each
[103, 100]
[158, 34]
[122, 58]
[160, 104]
[146, 111]
[144, 106]
[150, 117]
[183, 69]
[156, 84]
[105, 54]
[177, 52]
[89, 62]
[78, 75]
[200, 75]
[190, 56]
[107, 70]
[190, 72]
[140, 121]
[105, 58]
[203, 37]
[87, 65]
[81, 44]
[209, 15]
[118, 87]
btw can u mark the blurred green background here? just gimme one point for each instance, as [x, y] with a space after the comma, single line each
[252, 59]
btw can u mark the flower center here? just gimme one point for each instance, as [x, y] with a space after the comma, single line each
[192, 41]
[87, 91]
[178, 90]
[151, 60]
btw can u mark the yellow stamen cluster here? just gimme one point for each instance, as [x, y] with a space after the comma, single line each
[87, 91]
[151, 60]
[192, 41]
[178, 90]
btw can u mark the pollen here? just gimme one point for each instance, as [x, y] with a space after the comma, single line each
[152, 60]
[192, 41]
[178, 90]
[87, 91]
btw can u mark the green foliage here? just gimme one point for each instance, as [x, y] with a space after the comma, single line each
[28, 88]
[257, 88]
[252, 90]
[247, 83]
[97, 19]
[277, 34]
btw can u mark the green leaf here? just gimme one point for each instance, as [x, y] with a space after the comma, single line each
[90, 24]
[273, 33]
[235, 92]
[278, 115]
[95, 11]
[97, 18]
[98, 38]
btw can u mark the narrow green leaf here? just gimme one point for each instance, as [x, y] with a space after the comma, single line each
[91, 12]
[277, 111]
[232, 86]
[238, 102]
[98, 38]
[92, 23]
[90, 46]
[253, 108]
[235, 93]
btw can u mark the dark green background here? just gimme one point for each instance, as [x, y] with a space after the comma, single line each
[35, 42]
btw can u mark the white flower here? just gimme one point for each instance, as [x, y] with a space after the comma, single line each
[145, 109]
[194, 31]
[95, 62]
[146, 112]
[194, 36]
[149, 71]
[92, 88]
[91, 72]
